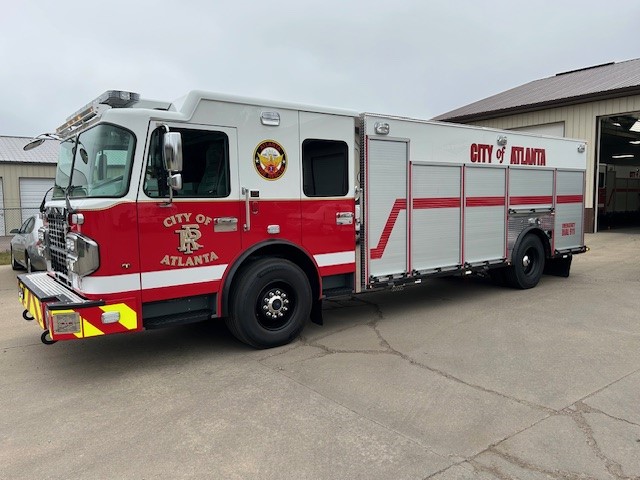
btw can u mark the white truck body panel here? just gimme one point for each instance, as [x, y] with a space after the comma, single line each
[443, 197]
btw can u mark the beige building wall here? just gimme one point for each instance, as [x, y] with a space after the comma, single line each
[11, 173]
[580, 122]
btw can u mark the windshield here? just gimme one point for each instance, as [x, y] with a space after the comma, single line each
[101, 159]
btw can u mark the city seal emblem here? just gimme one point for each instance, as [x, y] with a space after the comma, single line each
[270, 160]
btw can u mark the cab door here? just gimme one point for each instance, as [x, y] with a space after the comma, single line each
[269, 178]
[187, 244]
[328, 196]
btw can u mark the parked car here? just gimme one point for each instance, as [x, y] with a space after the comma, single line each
[24, 246]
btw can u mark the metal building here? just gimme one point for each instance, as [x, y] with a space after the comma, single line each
[599, 104]
[24, 179]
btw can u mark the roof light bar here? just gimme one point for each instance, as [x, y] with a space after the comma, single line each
[110, 98]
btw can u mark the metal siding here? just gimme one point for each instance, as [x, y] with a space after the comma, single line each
[580, 122]
[529, 183]
[435, 235]
[11, 174]
[569, 212]
[484, 226]
[387, 217]
[543, 127]
[2, 216]
[559, 88]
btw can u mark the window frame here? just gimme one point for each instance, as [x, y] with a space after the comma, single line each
[307, 162]
[180, 194]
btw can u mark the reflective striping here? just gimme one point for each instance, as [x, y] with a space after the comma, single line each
[128, 318]
[531, 200]
[112, 284]
[399, 205]
[485, 201]
[436, 202]
[184, 276]
[338, 258]
[90, 330]
[91, 322]
[569, 199]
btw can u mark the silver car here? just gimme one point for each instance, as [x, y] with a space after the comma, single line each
[24, 246]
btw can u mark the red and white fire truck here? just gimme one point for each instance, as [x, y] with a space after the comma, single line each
[226, 207]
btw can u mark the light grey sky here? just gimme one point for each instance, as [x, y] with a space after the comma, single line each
[411, 58]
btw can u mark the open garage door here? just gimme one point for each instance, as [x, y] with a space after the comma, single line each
[618, 195]
[32, 190]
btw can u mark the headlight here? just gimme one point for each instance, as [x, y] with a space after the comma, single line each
[83, 256]
[71, 244]
[41, 244]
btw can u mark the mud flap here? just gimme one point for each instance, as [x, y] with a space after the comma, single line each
[558, 267]
[316, 313]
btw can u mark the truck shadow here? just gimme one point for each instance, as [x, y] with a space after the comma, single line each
[212, 342]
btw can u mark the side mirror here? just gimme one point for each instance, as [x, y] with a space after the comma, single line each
[14, 231]
[36, 142]
[175, 181]
[172, 151]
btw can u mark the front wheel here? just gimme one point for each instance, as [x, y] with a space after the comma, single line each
[270, 304]
[527, 263]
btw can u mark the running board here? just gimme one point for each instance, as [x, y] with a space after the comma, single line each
[177, 319]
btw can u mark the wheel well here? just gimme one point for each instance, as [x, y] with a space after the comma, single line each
[541, 235]
[272, 250]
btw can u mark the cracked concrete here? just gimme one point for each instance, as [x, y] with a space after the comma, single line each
[455, 379]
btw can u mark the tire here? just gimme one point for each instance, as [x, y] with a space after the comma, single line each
[270, 304]
[527, 263]
[29, 266]
[15, 265]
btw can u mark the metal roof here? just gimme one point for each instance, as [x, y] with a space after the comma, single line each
[11, 151]
[610, 80]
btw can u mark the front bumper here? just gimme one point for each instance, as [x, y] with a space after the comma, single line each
[67, 315]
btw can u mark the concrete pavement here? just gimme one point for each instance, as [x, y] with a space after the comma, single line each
[455, 379]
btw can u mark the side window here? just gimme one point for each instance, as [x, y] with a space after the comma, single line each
[325, 168]
[30, 224]
[205, 168]
[25, 226]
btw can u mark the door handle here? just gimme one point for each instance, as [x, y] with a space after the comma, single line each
[225, 224]
[250, 204]
[344, 218]
[247, 214]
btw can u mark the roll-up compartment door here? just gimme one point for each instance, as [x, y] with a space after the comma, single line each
[386, 213]
[435, 217]
[484, 214]
[569, 226]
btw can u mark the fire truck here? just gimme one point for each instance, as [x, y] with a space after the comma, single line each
[216, 206]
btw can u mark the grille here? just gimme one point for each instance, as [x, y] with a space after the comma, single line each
[58, 229]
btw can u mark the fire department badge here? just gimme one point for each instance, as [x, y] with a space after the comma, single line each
[270, 160]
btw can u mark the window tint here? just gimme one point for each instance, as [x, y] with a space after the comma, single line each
[324, 168]
[24, 228]
[205, 168]
[30, 224]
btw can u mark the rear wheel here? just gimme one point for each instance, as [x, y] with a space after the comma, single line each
[527, 263]
[271, 303]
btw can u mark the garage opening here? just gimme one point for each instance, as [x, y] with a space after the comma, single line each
[32, 191]
[618, 187]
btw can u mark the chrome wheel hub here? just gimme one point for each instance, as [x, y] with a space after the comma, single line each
[275, 303]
